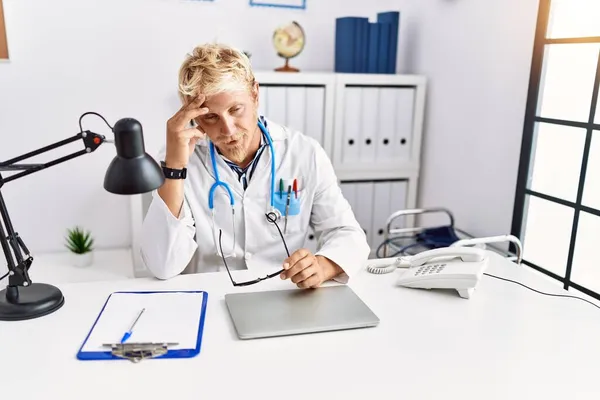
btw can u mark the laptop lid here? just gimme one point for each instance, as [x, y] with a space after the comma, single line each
[297, 311]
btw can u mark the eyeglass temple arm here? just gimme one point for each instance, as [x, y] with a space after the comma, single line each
[258, 279]
[224, 261]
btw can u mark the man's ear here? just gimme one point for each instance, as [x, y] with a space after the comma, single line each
[255, 93]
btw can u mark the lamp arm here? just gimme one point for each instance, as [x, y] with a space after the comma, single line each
[91, 141]
[18, 264]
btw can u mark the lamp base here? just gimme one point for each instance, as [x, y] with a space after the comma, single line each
[28, 302]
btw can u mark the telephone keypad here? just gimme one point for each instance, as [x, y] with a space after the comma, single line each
[430, 269]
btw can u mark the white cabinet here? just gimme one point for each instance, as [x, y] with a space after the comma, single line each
[378, 125]
[303, 102]
[370, 125]
[373, 202]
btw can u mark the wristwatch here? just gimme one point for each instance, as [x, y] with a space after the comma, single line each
[172, 173]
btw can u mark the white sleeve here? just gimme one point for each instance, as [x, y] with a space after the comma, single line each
[342, 239]
[167, 243]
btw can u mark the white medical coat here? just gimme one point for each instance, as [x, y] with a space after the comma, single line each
[170, 245]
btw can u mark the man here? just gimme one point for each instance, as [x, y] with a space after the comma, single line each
[219, 151]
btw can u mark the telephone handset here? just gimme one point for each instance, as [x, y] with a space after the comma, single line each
[457, 268]
[466, 254]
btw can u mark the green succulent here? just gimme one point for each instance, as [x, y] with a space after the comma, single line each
[79, 241]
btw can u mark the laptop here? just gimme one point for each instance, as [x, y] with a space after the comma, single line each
[298, 311]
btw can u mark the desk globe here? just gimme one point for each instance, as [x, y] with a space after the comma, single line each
[288, 40]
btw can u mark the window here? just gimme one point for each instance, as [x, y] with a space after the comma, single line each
[557, 204]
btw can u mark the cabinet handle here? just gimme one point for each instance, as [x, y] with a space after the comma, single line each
[311, 237]
[380, 232]
[403, 141]
[368, 141]
[386, 141]
[351, 142]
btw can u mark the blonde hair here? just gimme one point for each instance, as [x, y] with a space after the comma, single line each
[213, 68]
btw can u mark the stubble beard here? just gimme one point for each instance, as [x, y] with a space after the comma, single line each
[236, 154]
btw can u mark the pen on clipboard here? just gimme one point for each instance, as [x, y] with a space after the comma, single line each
[130, 331]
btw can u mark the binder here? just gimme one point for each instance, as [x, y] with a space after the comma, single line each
[170, 327]
[383, 51]
[382, 209]
[373, 47]
[277, 105]
[349, 43]
[393, 19]
[362, 45]
[405, 103]
[386, 123]
[369, 129]
[315, 113]
[352, 125]
[296, 108]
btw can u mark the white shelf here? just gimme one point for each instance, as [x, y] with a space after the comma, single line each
[360, 174]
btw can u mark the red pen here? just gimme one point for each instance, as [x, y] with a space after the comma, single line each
[296, 188]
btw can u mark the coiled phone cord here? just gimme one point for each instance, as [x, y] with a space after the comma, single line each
[386, 265]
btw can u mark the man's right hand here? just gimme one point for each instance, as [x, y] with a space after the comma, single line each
[180, 146]
[181, 140]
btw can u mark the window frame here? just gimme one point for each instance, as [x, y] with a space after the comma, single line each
[530, 120]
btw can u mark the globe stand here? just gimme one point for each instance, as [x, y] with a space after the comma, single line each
[286, 67]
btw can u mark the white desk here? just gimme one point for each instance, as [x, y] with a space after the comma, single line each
[506, 342]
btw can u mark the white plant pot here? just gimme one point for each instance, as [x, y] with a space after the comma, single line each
[82, 260]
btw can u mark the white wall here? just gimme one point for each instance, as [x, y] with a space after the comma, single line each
[477, 56]
[120, 58]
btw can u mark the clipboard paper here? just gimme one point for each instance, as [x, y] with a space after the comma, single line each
[173, 321]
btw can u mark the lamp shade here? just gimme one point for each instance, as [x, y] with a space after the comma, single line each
[132, 171]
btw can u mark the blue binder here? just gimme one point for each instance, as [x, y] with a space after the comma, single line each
[160, 346]
[383, 51]
[392, 18]
[373, 48]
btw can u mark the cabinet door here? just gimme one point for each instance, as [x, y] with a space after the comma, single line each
[388, 197]
[360, 197]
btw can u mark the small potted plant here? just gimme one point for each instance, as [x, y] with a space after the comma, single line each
[80, 243]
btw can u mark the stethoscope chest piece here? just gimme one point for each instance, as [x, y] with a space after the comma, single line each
[274, 215]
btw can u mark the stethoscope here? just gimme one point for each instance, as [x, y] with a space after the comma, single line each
[273, 212]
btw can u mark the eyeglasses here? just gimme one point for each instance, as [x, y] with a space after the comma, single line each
[271, 217]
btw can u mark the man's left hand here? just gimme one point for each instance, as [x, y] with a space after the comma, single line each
[307, 270]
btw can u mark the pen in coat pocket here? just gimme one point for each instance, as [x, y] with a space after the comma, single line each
[287, 207]
[295, 187]
[280, 188]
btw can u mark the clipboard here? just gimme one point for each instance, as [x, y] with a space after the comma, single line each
[170, 327]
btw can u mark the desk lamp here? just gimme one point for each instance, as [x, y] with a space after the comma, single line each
[132, 171]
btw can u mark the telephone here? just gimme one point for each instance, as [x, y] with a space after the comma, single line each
[457, 268]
